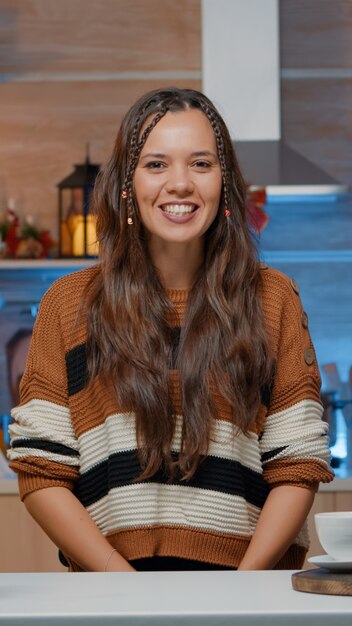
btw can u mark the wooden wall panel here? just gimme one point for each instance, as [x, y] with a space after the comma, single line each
[316, 33]
[44, 129]
[24, 546]
[109, 35]
[344, 501]
[316, 120]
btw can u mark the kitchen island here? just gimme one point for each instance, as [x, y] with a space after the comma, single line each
[168, 599]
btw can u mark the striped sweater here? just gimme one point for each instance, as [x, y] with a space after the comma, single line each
[72, 434]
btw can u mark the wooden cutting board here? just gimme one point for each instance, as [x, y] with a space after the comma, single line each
[324, 582]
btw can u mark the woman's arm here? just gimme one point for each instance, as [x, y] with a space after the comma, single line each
[65, 520]
[280, 521]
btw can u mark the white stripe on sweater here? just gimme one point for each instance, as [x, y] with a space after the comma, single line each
[117, 434]
[45, 421]
[300, 429]
[148, 504]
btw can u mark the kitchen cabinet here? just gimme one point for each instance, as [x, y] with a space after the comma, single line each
[24, 546]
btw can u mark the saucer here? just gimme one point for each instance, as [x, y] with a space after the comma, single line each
[327, 562]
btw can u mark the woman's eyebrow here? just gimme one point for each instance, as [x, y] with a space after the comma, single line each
[154, 155]
[161, 155]
[200, 153]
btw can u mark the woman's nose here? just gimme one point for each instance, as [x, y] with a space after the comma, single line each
[179, 181]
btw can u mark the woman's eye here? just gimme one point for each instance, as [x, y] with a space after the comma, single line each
[202, 164]
[155, 165]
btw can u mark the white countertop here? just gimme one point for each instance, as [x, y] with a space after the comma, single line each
[168, 599]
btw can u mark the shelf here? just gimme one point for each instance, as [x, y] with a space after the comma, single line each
[29, 264]
[307, 256]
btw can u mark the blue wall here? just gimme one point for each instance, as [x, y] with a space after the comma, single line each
[310, 239]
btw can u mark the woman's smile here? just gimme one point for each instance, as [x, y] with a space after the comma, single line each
[179, 212]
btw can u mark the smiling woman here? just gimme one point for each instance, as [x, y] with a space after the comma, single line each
[178, 189]
[168, 416]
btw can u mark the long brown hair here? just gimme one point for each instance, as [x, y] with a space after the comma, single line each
[223, 339]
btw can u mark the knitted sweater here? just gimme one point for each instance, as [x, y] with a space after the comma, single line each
[72, 434]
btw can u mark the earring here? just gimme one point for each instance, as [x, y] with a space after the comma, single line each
[227, 213]
[129, 220]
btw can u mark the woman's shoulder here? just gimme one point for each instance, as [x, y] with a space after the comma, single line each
[67, 292]
[275, 283]
[280, 295]
[73, 283]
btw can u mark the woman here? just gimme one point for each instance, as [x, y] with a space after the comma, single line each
[170, 415]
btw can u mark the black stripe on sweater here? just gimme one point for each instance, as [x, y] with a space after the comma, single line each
[214, 474]
[268, 456]
[46, 446]
[265, 395]
[76, 369]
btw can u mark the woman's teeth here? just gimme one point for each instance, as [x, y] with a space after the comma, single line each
[178, 209]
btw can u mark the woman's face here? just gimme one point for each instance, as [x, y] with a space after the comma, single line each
[178, 180]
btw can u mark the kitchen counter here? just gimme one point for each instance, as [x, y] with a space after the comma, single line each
[152, 598]
[338, 484]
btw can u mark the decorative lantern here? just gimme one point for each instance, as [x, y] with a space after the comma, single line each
[77, 223]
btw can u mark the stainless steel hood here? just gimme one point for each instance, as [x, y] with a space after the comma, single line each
[283, 171]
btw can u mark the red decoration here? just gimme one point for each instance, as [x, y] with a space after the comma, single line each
[256, 200]
[11, 238]
[24, 240]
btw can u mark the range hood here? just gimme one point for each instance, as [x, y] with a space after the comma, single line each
[283, 171]
[242, 38]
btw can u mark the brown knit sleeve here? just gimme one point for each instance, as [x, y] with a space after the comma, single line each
[294, 443]
[44, 448]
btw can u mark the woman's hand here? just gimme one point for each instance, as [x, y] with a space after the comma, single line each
[280, 521]
[65, 520]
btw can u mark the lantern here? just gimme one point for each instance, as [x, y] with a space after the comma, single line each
[77, 223]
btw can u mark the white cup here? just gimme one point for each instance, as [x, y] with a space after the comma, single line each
[334, 531]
